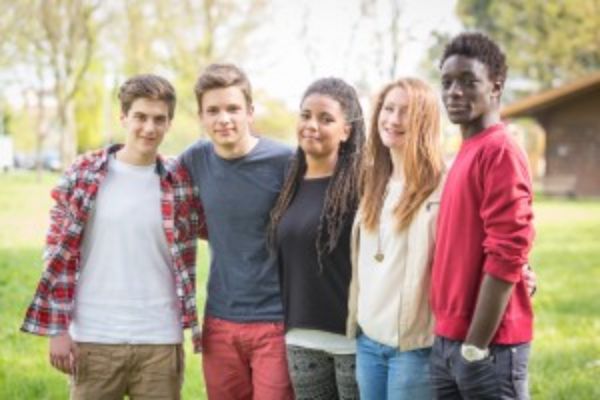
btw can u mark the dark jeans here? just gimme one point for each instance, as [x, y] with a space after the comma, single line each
[502, 375]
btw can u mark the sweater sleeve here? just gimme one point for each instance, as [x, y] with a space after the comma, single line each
[506, 212]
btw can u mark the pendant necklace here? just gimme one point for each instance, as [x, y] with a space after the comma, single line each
[379, 254]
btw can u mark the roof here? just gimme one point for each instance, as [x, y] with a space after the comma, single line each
[537, 102]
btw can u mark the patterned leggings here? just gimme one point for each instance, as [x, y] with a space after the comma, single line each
[318, 375]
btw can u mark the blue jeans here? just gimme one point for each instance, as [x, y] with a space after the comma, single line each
[501, 376]
[385, 372]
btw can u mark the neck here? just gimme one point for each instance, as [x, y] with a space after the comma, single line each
[397, 156]
[474, 127]
[129, 156]
[239, 149]
[320, 167]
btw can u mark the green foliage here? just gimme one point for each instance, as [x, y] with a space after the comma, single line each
[272, 118]
[547, 42]
[89, 108]
[23, 130]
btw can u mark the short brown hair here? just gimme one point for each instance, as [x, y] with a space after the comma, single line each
[218, 76]
[147, 86]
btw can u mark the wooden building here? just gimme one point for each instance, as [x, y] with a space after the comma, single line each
[570, 116]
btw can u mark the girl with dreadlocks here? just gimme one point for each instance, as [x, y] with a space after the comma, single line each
[393, 244]
[310, 230]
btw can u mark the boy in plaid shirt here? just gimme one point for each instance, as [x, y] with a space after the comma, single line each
[119, 282]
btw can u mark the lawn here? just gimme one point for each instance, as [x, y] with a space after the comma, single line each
[565, 361]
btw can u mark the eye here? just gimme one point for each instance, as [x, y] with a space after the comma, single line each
[233, 109]
[327, 119]
[304, 116]
[446, 83]
[160, 120]
[388, 108]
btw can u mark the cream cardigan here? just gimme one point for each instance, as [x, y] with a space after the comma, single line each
[416, 319]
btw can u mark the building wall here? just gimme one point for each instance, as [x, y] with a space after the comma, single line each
[573, 141]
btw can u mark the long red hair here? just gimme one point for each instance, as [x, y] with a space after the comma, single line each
[422, 160]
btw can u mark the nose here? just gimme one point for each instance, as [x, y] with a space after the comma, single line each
[150, 126]
[395, 119]
[310, 123]
[223, 118]
[455, 89]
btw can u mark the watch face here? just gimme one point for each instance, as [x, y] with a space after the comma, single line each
[472, 353]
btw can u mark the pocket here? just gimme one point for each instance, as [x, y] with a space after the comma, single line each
[93, 362]
[180, 360]
[476, 379]
[519, 361]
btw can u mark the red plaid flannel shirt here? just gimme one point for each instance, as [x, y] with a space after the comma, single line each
[183, 221]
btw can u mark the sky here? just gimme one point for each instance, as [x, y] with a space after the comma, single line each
[321, 30]
[303, 40]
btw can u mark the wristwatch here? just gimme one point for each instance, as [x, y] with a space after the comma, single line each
[473, 353]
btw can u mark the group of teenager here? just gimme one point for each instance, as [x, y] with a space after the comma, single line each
[357, 266]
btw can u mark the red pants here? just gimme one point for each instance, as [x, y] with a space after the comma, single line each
[245, 361]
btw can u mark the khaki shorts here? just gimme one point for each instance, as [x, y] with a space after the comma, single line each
[107, 372]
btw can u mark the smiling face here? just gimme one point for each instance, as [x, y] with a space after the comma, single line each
[226, 117]
[146, 123]
[322, 126]
[391, 121]
[468, 93]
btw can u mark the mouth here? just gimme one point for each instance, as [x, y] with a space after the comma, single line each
[394, 132]
[456, 108]
[309, 137]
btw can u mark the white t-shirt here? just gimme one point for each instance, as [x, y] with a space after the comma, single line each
[332, 343]
[126, 289]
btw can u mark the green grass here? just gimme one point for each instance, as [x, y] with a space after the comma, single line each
[565, 361]
[24, 370]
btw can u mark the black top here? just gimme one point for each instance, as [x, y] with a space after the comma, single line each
[313, 298]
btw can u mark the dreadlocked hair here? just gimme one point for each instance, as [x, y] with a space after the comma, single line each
[341, 199]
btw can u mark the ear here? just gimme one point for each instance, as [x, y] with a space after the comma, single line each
[347, 131]
[251, 113]
[497, 89]
[123, 118]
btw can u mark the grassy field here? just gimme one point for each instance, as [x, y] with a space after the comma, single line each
[566, 352]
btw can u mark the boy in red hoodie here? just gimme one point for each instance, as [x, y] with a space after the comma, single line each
[481, 305]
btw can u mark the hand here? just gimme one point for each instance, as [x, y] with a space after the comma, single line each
[528, 275]
[63, 353]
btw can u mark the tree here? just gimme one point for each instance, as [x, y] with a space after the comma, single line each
[68, 32]
[547, 42]
[88, 107]
[53, 42]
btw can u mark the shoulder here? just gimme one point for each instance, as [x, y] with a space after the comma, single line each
[502, 157]
[275, 149]
[91, 158]
[176, 170]
[501, 141]
[88, 163]
[199, 148]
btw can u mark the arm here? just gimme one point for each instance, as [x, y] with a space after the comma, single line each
[49, 312]
[63, 353]
[507, 219]
[184, 173]
[491, 303]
